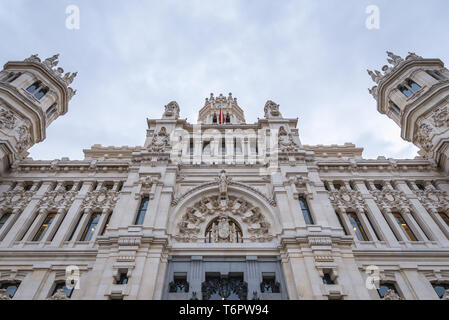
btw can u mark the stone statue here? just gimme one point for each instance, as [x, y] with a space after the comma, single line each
[33, 58]
[160, 141]
[171, 111]
[4, 295]
[223, 181]
[394, 59]
[272, 110]
[232, 235]
[286, 142]
[223, 228]
[59, 295]
[52, 61]
[391, 295]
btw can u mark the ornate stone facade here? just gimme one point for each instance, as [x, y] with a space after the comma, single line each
[209, 212]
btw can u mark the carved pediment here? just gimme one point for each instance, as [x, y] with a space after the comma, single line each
[208, 208]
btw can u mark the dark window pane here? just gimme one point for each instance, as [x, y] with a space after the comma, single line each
[384, 287]
[401, 222]
[11, 287]
[412, 84]
[440, 289]
[91, 227]
[44, 227]
[142, 211]
[305, 211]
[445, 217]
[3, 219]
[106, 225]
[327, 279]
[76, 227]
[269, 285]
[42, 92]
[406, 91]
[357, 227]
[33, 87]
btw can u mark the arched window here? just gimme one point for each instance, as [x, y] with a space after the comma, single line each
[34, 87]
[223, 229]
[228, 118]
[214, 119]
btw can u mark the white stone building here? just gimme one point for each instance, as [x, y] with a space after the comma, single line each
[223, 209]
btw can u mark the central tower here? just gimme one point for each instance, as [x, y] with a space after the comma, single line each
[221, 110]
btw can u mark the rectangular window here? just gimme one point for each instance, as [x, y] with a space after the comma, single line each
[57, 229]
[191, 147]
[341, 223]
[76, 227]
[3, 219]
[372, 227]
[223, 146]
[142, 211]
[305, 211]
[44, 227]
[412, 84]
[401, 222]
[91, 227]
[106, 225]
[445, 217]
[357, 227]
[237, 147]
[406, 91]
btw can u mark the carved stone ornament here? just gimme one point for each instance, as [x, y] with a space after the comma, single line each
[388, 199]
[15, 199]
[7, 119]
[223, 182]
[423, 136]
[344, 200]
[57, 199]
[102, 199]
[440, 116]
[147, 182]
[4, 295]
[50, 64]
[59, 295]
[160, 141]
[286, 142]
[171, 111]
[391, 295]
[224, 287]
[396, 62]
[25, 139]
[195, 217]
[272, 110]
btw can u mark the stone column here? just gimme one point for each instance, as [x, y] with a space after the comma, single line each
[378, 218]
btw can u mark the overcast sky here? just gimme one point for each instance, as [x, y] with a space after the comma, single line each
[133, 57]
